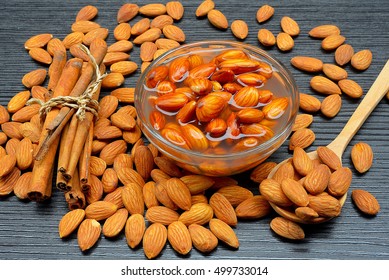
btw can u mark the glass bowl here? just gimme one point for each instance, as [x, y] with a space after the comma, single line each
[215, 161]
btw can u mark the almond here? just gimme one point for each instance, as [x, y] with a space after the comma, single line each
[235, 194]
[271, 190]
[223, 209]
[40, 55]
[30, 131]
[34, 78]
[197, 183]
[140, 27]
[179, 237]
[134, 230]
[167, 166]
[12, 130]
[276, 108]
[266, 37]
[173, 32]
[98, 33]
[147, 50]
[4, 115]
[84, 26]
[262, 171]
[303, 138]
[11, 146]
[199, 213]
[149, 196]
[124, 95]
[202, 238]
[128, 175]
[144, 161]
[87, 13]
[153, 10]
[306, 63]
[323, 31]
[317, 179]
[122, 31]
[22, 186]
[325, 205]
[328, 157]
[110, 180]
[365, 201]
[124, 67]
[8, 182]
[224, 233]
[295, 192]
[110, 151]
[114, 224]
[285, 170]
[148, 36]
[164, 43]
[107, 106]
[302, 121]
[55, 45]
[94, 194]
[7, 165]
[121, 46]
[331, 105]
[217, 19]
[179, 193]
[195, 138]
[334, 72]
[162, 215]
[97, 166]
[161, 21]
[351, 88]
[284, 41]
[175, 9]
[154, 239]
[204, 8]
[70, 221]
[332, 42]
[88, 234]
[132, 197]
[340, 181]
[240, 29]
[17, 102]
[324, 85]
[131, 136]
[255, 207]
[306, 213]
[301, 161]
[24, 154]
[38, 41]
[362, 60]
[100, 210]
[290, 26]
[127, 12]
[309, 103]
[362, 157]
[264, 13]
[287, 229]
[343, 54]
[113, 57]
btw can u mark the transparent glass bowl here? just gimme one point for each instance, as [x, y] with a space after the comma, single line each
[218, 164]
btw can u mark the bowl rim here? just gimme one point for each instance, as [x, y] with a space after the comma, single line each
[281, 68]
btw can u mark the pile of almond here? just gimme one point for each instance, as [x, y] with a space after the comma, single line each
[136, 190]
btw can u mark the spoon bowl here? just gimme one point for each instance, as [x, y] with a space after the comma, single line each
[377, 91]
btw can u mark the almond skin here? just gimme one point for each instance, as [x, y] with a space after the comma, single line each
[148, 36]
[161, 214]
[287, 229]
[153, 10]
[38, 41]
[199, 213]
[365, 202]
[34, 78]
[362, 157]
[264, 13]
[301, 161]
[87, 13]
[217, 19]
[100, 210]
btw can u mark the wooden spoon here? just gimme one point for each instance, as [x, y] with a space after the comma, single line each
[377, 91]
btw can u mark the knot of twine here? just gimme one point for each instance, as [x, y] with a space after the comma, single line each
[82, 103]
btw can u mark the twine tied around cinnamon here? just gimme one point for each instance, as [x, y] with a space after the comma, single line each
[82, 103]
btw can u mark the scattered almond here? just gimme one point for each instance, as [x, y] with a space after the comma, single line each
[287, 229]
[175, 9]
[351, 88]
[284, 41]
[305, 63]
[266, 37]
[264, 13]
[343, 54]
[334, 72]
[309, 103]
[224, 232]
[88, 234]
[365, 201]
[290, 26]
[362, 157]
[323, 31]
[217, 19]
[362, 60]
[332, 42]
[179, 237]
[331, 105]
[324, 85]
[240, 29]
[154, 239]
[204, 8]
[303, 138]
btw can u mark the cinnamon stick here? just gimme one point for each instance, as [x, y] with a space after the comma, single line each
[39, 188]
[60, 181]
[56, 68]
[84, 162]
[98, 50]
[75, 197]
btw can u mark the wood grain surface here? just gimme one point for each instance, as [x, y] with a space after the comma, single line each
[28, 230]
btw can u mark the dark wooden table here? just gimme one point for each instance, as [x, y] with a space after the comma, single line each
[28, 230]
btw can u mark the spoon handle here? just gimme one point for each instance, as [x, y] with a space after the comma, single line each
[377, 91]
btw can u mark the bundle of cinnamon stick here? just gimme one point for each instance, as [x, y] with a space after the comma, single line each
[66, 131]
